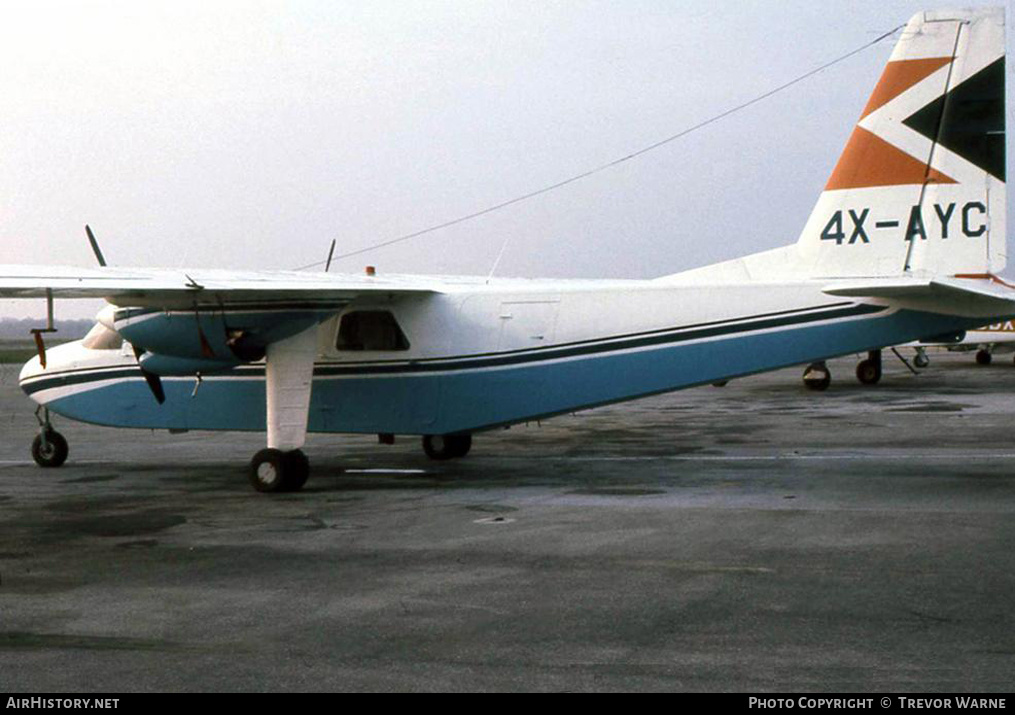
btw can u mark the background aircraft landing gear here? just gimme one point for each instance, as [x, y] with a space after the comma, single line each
[447, 446]
[868, 371]
[272, 470]
[983, 357]
[49, 448]
[817, 376]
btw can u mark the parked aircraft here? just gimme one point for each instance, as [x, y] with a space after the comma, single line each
[987, 341]
[903, 244]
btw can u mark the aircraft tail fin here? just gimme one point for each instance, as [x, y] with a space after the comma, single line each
[920, 188]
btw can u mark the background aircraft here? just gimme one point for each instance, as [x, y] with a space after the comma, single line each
[986, 340]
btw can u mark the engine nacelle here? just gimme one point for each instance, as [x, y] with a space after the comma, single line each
[166, 366]
[219, 336]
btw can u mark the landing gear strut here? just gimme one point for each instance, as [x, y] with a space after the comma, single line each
[289, 379]
[921, 360]
[49, 448]
[447, 446]
[868, 371]
[817, 376]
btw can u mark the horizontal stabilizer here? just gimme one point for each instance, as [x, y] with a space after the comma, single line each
[950, 296]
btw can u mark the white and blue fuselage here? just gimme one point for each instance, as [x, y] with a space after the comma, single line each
[479, 356]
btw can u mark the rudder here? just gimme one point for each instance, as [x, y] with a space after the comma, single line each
[920, 186]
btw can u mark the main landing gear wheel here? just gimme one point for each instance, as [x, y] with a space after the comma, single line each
[49, 449]
[983, 357]
[868, 371]
[817, 377]
[272, 470]
[921, 360]
[447, 446]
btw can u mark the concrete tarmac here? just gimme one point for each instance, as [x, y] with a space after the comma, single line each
[755, 537]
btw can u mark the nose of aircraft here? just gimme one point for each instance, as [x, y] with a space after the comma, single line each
[31, 369]
[58, 359]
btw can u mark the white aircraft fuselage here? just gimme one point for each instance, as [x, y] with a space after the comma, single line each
[481, 356]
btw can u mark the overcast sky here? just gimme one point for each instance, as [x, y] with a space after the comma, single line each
[250, 134]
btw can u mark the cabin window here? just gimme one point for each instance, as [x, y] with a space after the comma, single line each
[370, 330]
[102, 338]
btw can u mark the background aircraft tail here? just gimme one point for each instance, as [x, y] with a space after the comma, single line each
[920, 187]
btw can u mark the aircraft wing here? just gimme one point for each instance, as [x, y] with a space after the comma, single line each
[168, 288]
[950, 296]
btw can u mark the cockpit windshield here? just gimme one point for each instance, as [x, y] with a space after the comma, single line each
[102, 338]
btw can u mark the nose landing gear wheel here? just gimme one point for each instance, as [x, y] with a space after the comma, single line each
[272, 470]
[817, 377]
[983, 357]
[49, 449]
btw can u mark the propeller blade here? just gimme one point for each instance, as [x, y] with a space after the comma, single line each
[327, 265]
[95, 246]
[155, 385]
[40, 346]
[153, 380]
